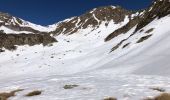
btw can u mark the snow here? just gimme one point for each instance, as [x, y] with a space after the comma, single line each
[96, 18]
[9, 31]
[93, 10]
[78, 23]
[150, 9]
[126, 73]
[69, 19]
[38, 27]
[15, 20]
[113, 7]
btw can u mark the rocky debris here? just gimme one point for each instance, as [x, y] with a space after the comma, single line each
[118, 45]
[110, 98]
[149, 31]
[158, 89]
[2, 50]
[70, 86]
[144, 38]
[6, 95]
[126, 45]
[92, 18]
[163, 96]
[9, 41]
[34, 93]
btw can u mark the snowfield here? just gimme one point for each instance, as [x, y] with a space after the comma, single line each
[84, 59]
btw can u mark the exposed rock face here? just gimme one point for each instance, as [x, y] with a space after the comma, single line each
[9, 41]
[158, 9]
[92, 18]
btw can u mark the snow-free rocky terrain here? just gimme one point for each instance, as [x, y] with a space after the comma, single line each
[106, 52]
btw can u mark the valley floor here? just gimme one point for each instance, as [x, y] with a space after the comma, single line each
[92, 86]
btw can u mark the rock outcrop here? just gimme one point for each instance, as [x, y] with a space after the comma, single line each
[10, 41]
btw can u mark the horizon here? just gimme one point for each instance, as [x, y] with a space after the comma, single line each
[50, 12]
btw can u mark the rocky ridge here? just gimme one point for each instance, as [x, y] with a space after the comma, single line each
[158, 9]
[93, 19]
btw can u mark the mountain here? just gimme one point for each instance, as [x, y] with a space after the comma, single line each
[108, 51]
[93, 19]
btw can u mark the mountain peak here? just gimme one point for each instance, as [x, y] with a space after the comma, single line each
[107, 13]
[93, 18]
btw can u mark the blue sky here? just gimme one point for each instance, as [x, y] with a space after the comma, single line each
[46, 12]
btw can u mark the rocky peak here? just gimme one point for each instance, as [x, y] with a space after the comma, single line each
[115, 13]
[93, 19]
[7, 19]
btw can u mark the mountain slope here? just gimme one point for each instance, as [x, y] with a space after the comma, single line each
[101, 52]
[11, 24]
[93, 19]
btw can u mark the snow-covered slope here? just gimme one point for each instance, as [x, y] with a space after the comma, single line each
[126, 66]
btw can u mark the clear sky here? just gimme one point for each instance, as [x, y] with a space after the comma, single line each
[46, 12]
